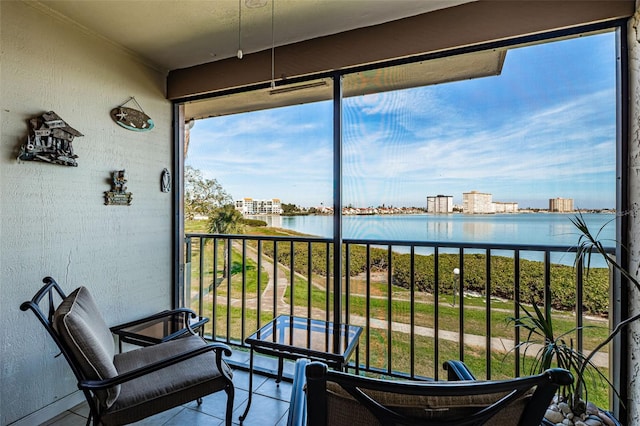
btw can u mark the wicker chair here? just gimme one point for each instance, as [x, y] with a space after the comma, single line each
[336, 398]
[130, 386]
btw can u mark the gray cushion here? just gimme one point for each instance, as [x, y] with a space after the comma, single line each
[165, 388]
[83, 330]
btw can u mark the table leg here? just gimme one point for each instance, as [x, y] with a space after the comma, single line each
[246, 410]
[280, 368]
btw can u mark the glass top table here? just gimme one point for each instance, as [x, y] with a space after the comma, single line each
[293, 337]
[307, 337]
[158, 328]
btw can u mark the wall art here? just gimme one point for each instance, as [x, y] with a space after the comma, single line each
[132, 119]
[50, 140]
[118, 195]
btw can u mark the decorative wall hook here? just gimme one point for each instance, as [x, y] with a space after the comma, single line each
[132, 119]
[165, 181]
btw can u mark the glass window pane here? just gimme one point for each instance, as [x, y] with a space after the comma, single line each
[280, 153]
[536, 123]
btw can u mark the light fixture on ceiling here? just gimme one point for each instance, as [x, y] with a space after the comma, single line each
[255, 4]
[292, 88]
[239, 54]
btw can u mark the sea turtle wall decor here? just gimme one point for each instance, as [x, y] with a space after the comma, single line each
[50, 140]
[132, 119]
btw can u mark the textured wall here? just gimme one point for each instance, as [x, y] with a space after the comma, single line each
[53, 220]
[634, 189]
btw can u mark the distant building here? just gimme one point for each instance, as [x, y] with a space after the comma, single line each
[440, 204]
[475, 202]
[506, 207]
[249, 206]
[561, 205]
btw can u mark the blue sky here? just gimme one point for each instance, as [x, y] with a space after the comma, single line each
[544, 128]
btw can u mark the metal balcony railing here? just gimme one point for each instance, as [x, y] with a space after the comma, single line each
[419, 303]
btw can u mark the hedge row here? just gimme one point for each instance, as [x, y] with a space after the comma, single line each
[563, 278]
[253, 222]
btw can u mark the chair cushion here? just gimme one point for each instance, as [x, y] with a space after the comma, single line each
[82, 328]
[343, 409]
[169, 387]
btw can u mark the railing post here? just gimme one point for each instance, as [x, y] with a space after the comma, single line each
[337, 208]
[461, 303]
[187, 272]
[201, 278]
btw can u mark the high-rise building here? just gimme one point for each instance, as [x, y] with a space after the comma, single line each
[440, 204]
[561, 205]
[249, 206]
[475, 202]
[506, 207]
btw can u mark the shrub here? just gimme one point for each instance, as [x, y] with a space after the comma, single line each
[253, 222]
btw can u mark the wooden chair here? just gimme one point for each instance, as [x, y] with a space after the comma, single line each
[336, 398]
[126, 387]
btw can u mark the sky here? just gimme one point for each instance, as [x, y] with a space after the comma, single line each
[544, 128]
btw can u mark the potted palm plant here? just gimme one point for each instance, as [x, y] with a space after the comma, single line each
[551, 348]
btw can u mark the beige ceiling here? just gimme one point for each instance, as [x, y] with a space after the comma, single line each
[172, 34]
[452, 68]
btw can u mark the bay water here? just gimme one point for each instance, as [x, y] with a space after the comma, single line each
[521, 229]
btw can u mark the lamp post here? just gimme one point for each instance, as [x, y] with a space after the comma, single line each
[456, 277]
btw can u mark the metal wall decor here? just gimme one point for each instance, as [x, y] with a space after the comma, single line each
[118, 195]
[132, 119]
[165, 181]
[49, 140]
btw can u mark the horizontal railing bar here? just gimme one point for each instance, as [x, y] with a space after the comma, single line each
[407, 243]
[261, 237]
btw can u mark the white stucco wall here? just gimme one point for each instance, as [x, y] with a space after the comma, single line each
[53, 220]
[633, 403]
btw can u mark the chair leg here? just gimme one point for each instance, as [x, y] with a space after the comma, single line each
[230, 395]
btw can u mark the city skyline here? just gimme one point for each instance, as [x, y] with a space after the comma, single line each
[544, 128]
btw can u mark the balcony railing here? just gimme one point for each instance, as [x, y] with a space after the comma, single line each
[419, 303]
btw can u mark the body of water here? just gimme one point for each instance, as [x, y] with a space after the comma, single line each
[521, 228]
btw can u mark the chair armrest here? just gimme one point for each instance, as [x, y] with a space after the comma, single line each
[457, 370]
[298, 403]
[188, 312]
[219, 349]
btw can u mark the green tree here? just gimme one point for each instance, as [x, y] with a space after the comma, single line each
[289, 208]
[202, 196]
[225, 220]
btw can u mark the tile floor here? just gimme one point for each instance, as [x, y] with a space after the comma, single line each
[270, 403]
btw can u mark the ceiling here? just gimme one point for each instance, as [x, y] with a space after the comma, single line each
[422, 73]
[171, 34]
